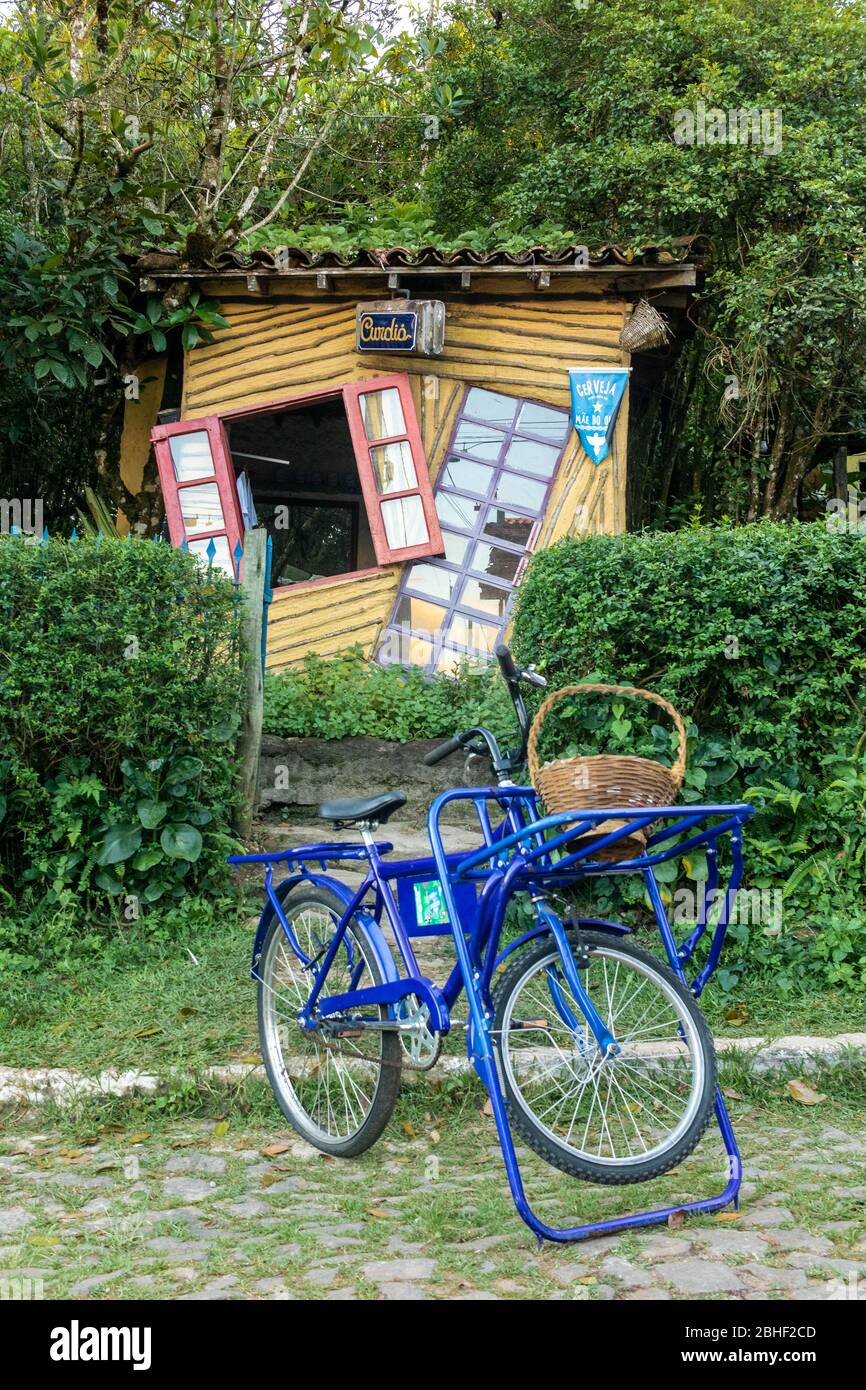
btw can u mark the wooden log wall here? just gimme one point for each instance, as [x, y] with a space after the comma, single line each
[513, 340]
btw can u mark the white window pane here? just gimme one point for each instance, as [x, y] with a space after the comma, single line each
[222, 560]
[457, 511]
[466, 476]
[419, 615]
[450, 661]
[532, 458]
[404, 522]
[487, 598]
[480, 637]
[526, 492]
[491, 406]
[455, 547]
[393, 467]
[382, 414]
[431, 579]
[493, 560]
[544, 421]
[481, 440]
[402, 648]
[201, 508]
[191, 456]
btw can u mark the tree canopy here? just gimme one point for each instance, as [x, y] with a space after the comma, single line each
[206, 125]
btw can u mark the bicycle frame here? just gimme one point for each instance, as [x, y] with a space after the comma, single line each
[529, 852]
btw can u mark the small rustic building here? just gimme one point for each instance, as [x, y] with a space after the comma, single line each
[400, 424]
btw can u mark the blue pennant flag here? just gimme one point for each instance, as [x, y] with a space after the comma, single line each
[595, 396]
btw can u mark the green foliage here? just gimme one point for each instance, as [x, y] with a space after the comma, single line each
[758, 635]
[120, 698]
[572, 115]
[757, 632]
[347, 696]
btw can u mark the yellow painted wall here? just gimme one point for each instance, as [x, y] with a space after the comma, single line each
[517, 341]
[139, 418]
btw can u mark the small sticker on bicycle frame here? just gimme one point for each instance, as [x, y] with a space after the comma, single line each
[430, 909]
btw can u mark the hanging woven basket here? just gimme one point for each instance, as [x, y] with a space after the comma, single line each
[599, 781]
[646, 328]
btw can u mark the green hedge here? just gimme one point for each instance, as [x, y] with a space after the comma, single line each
[758, 635]
[758, 632]
[347, 696]
[119, 702]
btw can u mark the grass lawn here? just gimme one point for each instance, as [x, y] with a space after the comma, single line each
[189, 1002]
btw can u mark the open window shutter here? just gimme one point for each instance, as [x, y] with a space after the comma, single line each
[198, 485]
[394, 479]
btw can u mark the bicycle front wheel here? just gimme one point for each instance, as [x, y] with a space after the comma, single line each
[619, 1118]
[337, 1089]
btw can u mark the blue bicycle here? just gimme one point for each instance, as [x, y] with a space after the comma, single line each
[593, 1050]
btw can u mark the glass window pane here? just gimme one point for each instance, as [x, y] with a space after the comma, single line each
[467, 476]
[491, 559]
[487, 598]
[191, 456]
[449, 661]
[382, 414]
[478, 636]
[481, 440]
[457, 511]
[393, 467]
[431, 579]
[201, 508]
[404, 522]
[532, 458]
[222, 560]
[544, 421]
[419, 615]
[401, 648]
[496, 409]
[526, 492]
[455, 547]
[502, 525]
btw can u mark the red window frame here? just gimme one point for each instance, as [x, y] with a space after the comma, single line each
[224, 476]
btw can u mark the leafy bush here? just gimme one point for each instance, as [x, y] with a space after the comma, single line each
[120, 697]
[757, 632]
[758, 635]
[347, 696]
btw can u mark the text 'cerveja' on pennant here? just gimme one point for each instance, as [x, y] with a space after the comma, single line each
[595, 396]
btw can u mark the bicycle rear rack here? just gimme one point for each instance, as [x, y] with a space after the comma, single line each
[551, 861]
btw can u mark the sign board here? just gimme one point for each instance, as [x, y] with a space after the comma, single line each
[595, 396]
[401, 325]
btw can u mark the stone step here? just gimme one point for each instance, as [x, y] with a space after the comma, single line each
[410, 842]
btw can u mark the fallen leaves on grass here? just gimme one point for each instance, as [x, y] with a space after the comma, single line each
[738, 1015]
[274, 1150]
[804, 1094]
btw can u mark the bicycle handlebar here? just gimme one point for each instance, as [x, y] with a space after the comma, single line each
[443, 751]
[513, 677]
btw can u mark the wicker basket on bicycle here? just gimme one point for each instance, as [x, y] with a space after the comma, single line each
[603, 780]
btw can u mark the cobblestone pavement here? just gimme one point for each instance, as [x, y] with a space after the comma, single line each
[203, 1210]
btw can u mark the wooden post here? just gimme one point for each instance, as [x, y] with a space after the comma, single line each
[840, 474]
[252, 590]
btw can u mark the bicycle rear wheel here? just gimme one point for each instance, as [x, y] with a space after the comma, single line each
[338, 1091]
[616, 1119]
